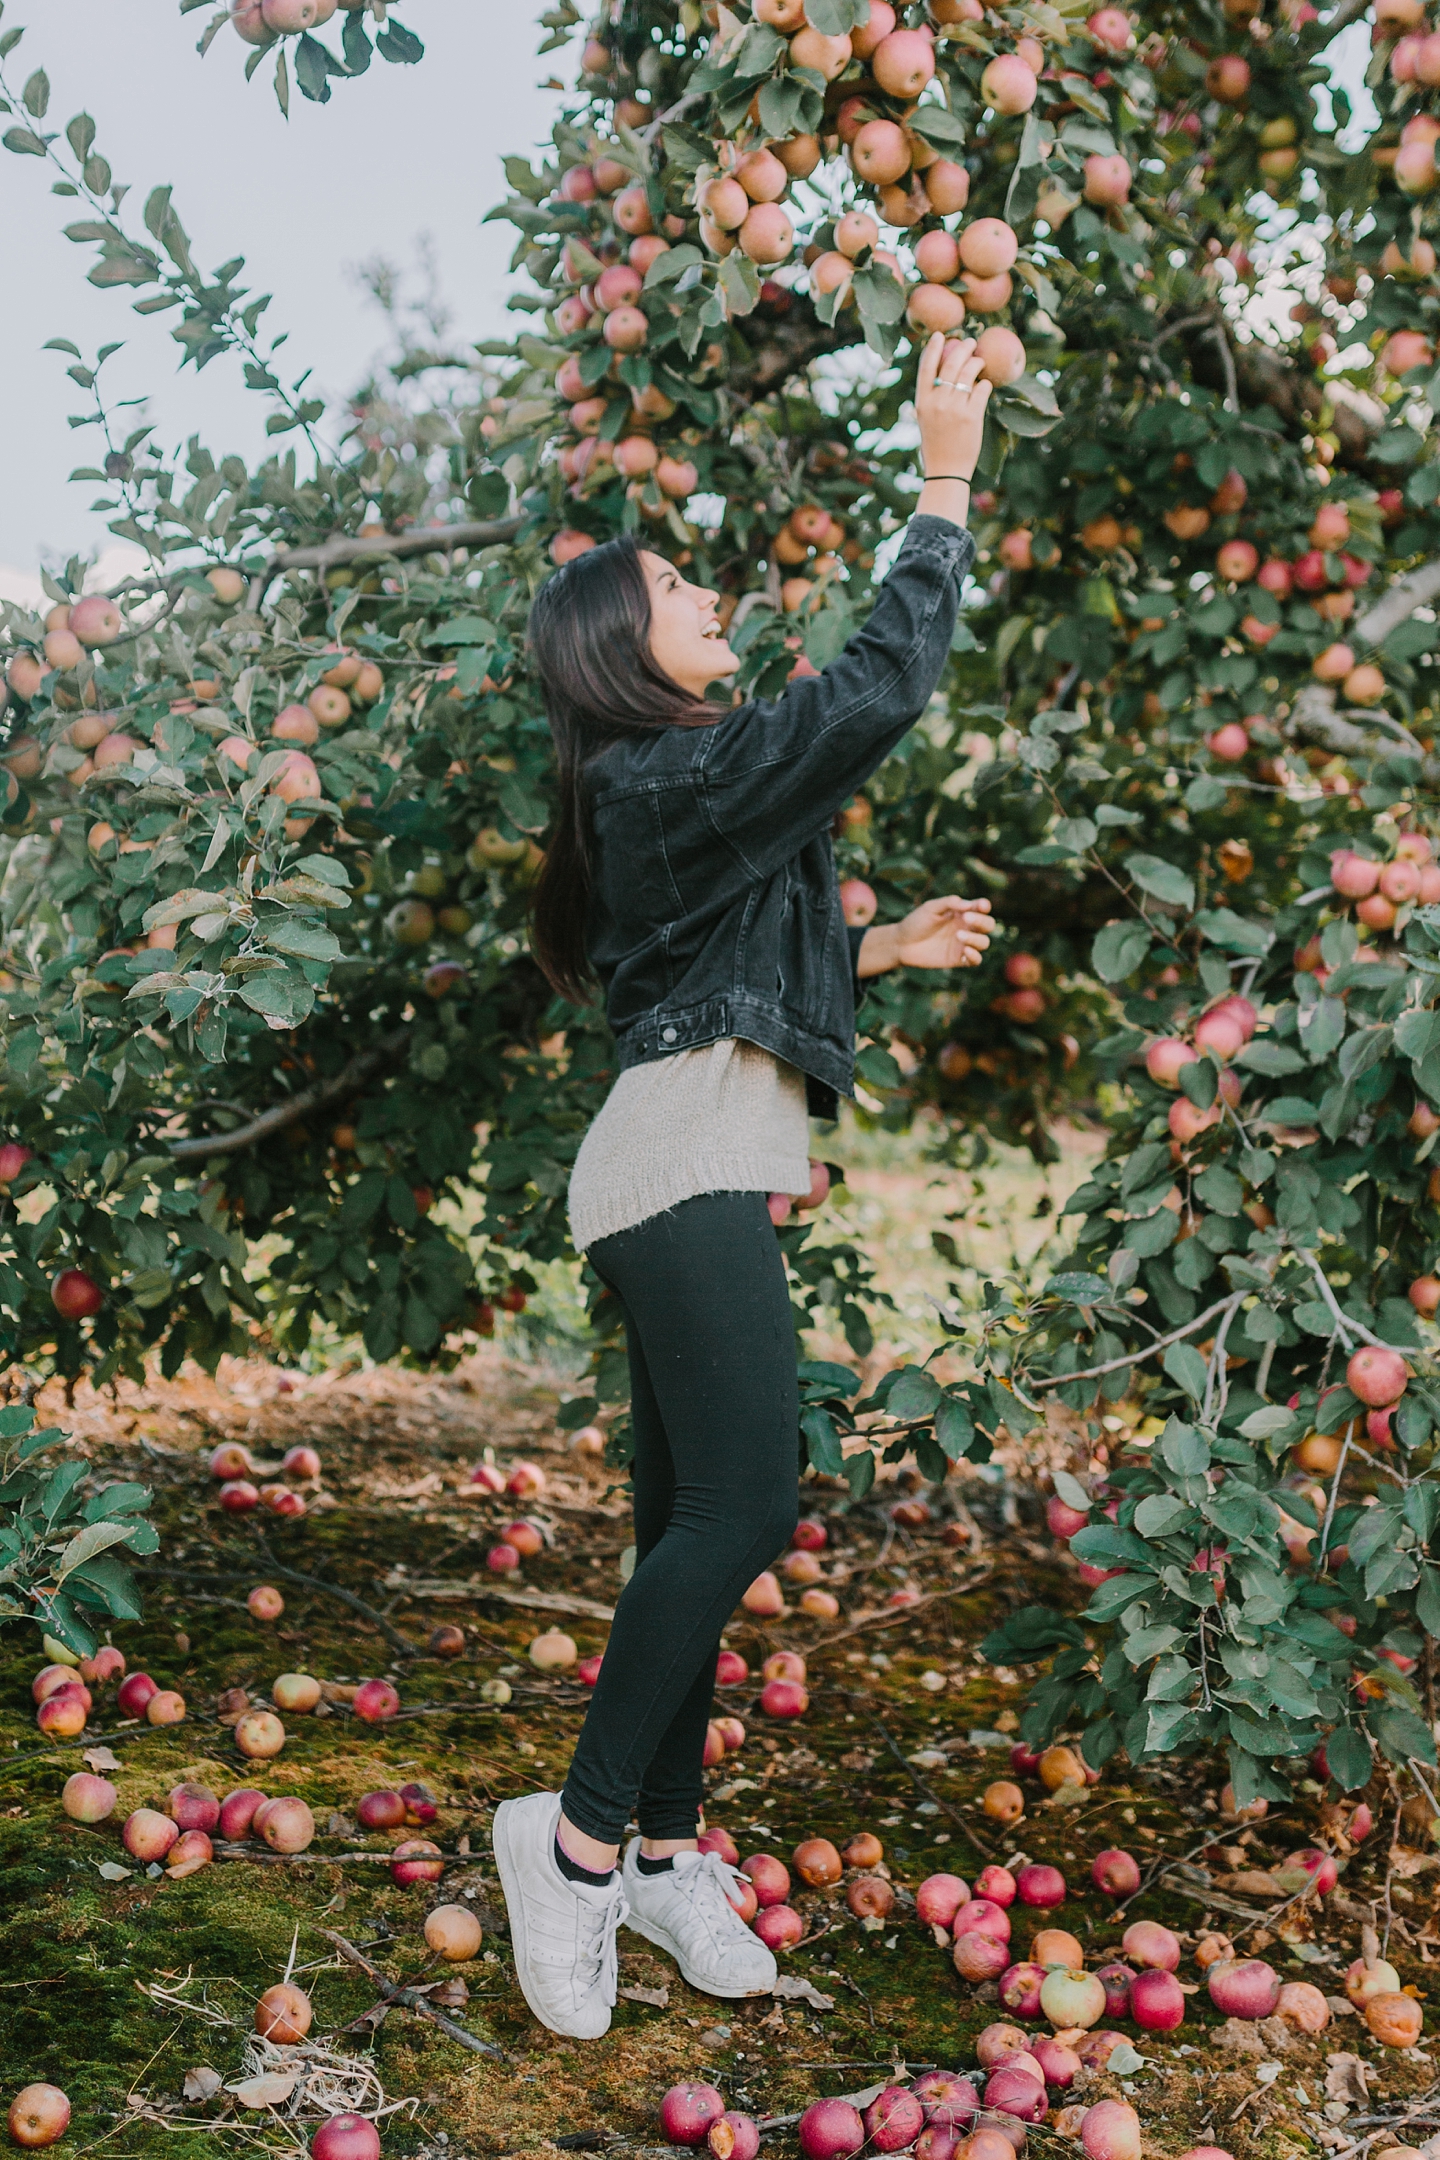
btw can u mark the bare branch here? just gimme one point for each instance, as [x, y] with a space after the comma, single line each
[1136, 1357]
[380, 547]
[1313, 718]
[409, 1998]
[1227, 361]
[1399, 601]
[279, 1115]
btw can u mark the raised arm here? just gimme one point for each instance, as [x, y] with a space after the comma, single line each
[777, 770]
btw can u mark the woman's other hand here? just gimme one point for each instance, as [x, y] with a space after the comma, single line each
[945, 933]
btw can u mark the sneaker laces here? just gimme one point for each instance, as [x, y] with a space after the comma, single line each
[713, 1876]
[597, 1955]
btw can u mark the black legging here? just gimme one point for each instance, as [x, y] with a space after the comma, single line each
[715, 1405]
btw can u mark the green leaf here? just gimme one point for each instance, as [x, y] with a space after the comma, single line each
[860, 1473]
[110, 1581]
[1162, 880]
[36, 95]
[279, 994]
[1220, 1189]
[1402, 1735]
[740, 282]
[937, 127]
[1270, 1057]
[834, 1379]
[1161, 1513]
[913, 1394]
[1031, 1633]
[1079, 1289]
[399, 45]
[1118, 950]
[24, 142]
[1186, 1368]
[1069, 1489]
[1347, 1758]
[94, 1538]
[312, 69]
[355, 45]
[307, 941]
[954, 1428]
[837, 18]
[822, 1441]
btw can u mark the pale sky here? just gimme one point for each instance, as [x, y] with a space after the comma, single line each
[403, 151]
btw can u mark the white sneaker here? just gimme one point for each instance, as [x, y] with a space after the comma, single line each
[562, 1932]
[686, 1911]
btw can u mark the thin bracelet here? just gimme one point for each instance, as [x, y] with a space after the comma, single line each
[963, 478]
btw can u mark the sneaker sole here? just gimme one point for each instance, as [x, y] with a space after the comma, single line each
[506, 1868]
[701, 1985]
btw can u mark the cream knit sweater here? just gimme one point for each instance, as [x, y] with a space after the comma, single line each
[728, 1117]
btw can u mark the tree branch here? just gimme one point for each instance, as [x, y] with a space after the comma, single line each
[412, 1999]
[1398, 602]
[337, 1591]
[1313, 718]
[1227, 361]
[279, 1115]
[1162, 1342]
[380, 547]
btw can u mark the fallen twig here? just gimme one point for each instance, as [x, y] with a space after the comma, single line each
[243, 1849]
[480, 1588]
[903, 1612]
[342, 1596]
[1163, 1861]
[933, 1797]
[137, 1731]
[411, 1999]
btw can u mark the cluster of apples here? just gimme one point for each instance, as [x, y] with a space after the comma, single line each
[71, 633]
[937, 2116]
[521, 1539]
[761, 1889]
[63, 1697]
[181, 1832]
[1327, 572]
[610, 295]
[236, 1468]
[1412, 160]
[802, 1566]
[1385, 892]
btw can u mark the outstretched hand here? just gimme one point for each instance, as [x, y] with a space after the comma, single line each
[945, 933]
[950, 402]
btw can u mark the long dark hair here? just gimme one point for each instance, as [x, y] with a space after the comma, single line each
[590, 640]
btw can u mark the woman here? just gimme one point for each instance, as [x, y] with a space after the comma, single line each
[691, 873]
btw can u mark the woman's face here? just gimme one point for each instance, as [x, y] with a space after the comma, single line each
[685, 636]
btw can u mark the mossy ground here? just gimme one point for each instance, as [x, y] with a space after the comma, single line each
[80, 1955]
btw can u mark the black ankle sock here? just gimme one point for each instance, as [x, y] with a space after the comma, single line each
[573, 1872]
[647, 1866]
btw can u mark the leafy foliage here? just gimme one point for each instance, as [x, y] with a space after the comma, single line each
[1200, 665]
[64, 1552]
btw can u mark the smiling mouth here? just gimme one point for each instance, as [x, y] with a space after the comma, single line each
[712, 630]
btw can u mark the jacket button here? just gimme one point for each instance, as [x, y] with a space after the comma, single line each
[667, 1035]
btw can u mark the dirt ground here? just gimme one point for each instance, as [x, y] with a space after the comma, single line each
[117, 1986]
[135, 1992]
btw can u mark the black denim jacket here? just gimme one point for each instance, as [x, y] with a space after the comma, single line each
[716, 910]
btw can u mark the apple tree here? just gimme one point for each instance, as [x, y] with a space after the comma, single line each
[277, 804]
